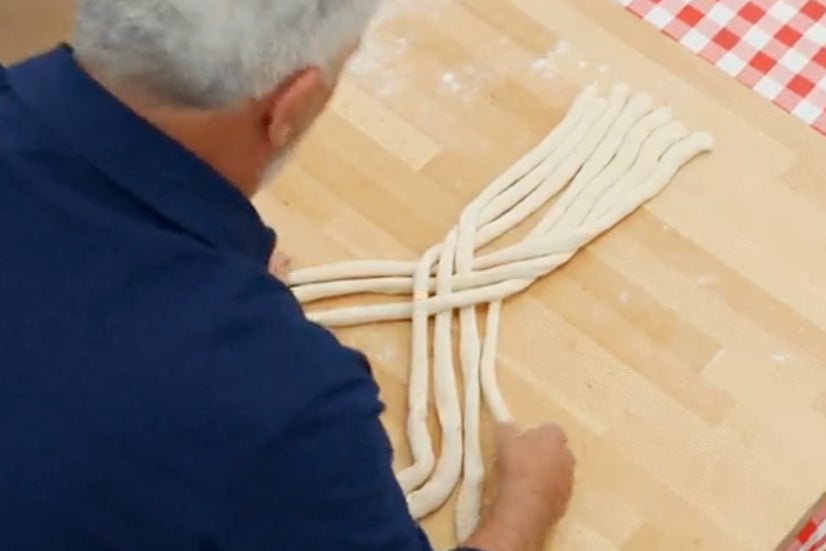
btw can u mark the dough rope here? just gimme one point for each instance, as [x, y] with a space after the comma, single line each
[605, 159]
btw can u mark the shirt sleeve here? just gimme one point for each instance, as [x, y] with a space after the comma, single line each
[325, 481]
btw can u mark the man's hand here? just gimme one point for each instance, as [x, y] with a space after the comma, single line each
[536, 471]
[538, 462]
[280, 265]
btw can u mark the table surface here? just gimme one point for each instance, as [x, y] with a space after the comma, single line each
[684, 352]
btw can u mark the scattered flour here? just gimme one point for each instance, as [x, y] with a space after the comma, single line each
[387, 355]
[450, 82]
[561, 47]
[707, 280]
[544, 68]
[780, 357]
[382, 65]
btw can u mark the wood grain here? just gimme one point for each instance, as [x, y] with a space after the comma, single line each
[685, 352]
[31, 26]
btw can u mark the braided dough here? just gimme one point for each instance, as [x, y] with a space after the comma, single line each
[609, 156]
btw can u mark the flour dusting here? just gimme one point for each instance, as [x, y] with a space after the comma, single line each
[561, 47]
[387, 355]
[544, 68]
[707, 280]
[780, 357]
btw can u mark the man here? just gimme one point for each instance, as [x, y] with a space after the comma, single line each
[159, 389]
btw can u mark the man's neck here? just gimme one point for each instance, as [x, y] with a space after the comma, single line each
[218, 137]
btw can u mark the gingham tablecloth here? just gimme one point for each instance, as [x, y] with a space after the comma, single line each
[775, 47]
[811, 536]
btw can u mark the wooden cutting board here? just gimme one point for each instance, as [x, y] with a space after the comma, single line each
[685, 352]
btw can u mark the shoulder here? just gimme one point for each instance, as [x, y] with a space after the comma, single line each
[227, 364]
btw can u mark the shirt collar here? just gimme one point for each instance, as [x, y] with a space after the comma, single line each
[137, 157]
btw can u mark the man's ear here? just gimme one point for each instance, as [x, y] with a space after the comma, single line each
[295, 105]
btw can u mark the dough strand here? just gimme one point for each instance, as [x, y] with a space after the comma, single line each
[605, 159]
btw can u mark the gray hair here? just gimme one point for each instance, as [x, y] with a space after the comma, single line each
[210, 53]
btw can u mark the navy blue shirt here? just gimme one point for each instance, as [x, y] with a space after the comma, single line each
[159, 390]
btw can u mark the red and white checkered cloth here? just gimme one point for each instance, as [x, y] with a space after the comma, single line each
[812, 536]
[776, 47]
